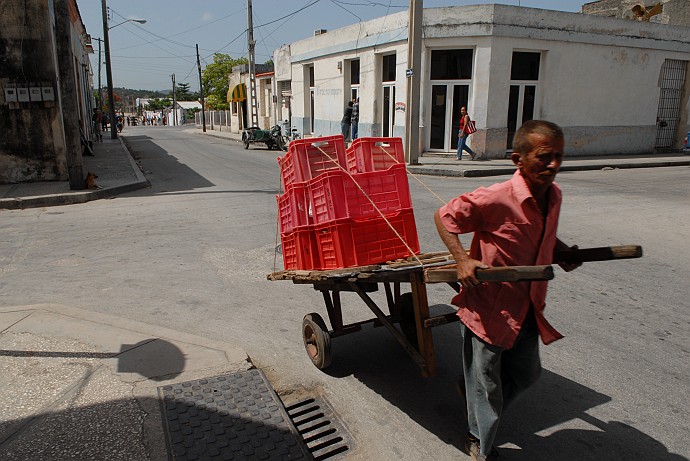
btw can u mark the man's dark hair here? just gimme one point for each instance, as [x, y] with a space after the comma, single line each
[350, 103]
[521, 141]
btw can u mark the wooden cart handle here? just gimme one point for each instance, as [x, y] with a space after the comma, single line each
[598, 254]
[493, 274]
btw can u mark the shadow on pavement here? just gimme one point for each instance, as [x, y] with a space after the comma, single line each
[377, 360]
[155, 359]
[164, 171]
[170, 177]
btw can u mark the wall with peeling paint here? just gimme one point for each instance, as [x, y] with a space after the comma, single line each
[32, 135]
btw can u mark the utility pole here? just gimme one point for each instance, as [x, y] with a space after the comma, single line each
[173, 107]
[201, 91]
[68, 96]
[414, 74]
[252, 66]
[109, 73]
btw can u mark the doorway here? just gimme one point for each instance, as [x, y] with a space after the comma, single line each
[388, 110]
[520, 108]
[522, 99]
[446, 101]
[668, 114]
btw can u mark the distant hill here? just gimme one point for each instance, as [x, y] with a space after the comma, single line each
[124, 92]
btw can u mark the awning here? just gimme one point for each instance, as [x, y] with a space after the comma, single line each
[239, 93]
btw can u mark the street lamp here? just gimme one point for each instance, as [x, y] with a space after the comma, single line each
[140, 21]
[108, 68]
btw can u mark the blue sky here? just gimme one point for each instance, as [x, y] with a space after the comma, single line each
[144, 56]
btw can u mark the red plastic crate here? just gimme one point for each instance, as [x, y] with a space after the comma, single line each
[335, 195]
[293, 208]
[300, 249]
[355, 242]
[308, 158]
[374, 154]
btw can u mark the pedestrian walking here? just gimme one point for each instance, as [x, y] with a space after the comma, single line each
[97, 120]
[514, 224]
[463, 134]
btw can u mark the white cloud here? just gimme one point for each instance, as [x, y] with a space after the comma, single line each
[207, 16]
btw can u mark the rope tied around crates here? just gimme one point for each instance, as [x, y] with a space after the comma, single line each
[381, 145]
[335, 162]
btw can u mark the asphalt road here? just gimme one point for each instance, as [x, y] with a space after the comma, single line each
[192, 253]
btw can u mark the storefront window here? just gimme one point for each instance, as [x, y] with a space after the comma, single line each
[525, 66]
[451, 64]
[354, 72]
[388, 68]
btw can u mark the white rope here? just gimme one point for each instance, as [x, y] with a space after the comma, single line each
[411, 174]
[316, 144]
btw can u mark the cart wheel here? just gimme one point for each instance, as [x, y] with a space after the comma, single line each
[245, 141]
[408, 324]
[317, 340]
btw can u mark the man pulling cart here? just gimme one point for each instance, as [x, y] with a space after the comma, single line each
[514, 225]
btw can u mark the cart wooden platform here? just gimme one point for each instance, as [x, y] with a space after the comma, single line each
[410, 310]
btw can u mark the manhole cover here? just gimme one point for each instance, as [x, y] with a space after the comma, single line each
[229, 417]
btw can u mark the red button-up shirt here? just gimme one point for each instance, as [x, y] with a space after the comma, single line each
[509, 230]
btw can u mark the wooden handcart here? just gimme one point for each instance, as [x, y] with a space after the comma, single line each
[410, 310]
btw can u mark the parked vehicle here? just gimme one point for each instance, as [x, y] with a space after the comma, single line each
[272, 138]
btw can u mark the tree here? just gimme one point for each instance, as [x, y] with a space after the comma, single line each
[182, 92]
[215, 80]
[158, 104]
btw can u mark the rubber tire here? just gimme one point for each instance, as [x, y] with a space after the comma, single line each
[245, 141]
[280, 143]
[408, 324]
[317, 340]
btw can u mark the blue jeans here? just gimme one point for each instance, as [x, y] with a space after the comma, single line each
[355, 129]
[494, 377]
[463, 146]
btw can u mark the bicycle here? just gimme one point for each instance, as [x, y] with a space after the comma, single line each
[289, 134]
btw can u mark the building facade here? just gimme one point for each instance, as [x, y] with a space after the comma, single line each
[616, 86]
[33, 143]
[239, 97]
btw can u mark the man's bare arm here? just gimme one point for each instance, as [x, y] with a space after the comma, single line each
[466, 266]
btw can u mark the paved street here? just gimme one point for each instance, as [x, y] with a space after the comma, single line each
[192, 252]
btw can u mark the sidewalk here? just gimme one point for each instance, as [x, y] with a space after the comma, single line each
[83, 385]
[445, 164]
[116, 170]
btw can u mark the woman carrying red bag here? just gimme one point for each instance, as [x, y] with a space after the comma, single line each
[464, 133]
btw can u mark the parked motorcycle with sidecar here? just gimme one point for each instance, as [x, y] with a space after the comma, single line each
[273, 138]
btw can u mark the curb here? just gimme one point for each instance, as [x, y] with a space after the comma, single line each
[218, 135]
[73, 198]
[461, 173]
[477, 173]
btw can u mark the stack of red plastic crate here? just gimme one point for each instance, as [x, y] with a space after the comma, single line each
[344, 208]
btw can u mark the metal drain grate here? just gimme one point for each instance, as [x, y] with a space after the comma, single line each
[234, 416]
[322, 432]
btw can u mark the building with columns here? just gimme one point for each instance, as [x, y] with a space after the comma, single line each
[616, 86]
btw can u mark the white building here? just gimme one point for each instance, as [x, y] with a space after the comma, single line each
[180, 113]
[239, 97]
[616, 86]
